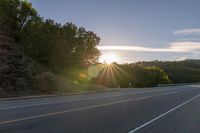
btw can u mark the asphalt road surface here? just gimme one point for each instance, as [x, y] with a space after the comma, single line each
[174, 109]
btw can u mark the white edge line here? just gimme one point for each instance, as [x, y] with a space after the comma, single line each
[160, 116]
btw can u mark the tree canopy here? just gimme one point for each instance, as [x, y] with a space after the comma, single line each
[127, 75]
[52, 44]
[187, 71]
[15, 15]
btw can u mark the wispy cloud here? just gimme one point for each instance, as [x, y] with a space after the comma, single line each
[184, 46]
[188, 32]
[173, 47]
[129, 48]
[182, 58]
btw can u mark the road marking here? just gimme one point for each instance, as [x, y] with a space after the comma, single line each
[64, 101]
[194, 85]
[81, 108]
[162, 115]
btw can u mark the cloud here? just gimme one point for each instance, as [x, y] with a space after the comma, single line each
[184, 46]
[182, 58]
[173, 47]
[129, 48]
[188, 32]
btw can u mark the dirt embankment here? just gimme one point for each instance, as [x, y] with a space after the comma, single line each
[20, 75]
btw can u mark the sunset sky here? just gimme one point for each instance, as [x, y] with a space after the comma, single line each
[134, 30]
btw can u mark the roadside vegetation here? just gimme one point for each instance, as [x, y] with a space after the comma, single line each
[187, 71]
[40, 56]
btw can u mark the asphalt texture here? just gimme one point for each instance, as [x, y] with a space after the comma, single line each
[173, 109]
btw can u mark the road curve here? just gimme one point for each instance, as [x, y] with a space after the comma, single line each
[173, 109]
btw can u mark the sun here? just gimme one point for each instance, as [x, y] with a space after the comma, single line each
[109, 58]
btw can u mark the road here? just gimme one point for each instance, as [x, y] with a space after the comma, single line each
[174, 109]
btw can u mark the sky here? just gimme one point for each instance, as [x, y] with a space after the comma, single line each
[134, 30]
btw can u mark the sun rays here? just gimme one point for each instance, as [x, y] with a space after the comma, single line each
[109, 74]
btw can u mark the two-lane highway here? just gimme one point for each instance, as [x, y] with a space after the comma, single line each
[171, 109]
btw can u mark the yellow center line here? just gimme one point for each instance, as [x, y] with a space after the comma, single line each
[64, 101]
[81, 108]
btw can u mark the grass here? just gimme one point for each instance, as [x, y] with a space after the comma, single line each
[67, 86]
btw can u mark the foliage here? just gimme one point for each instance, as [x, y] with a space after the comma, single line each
[49, 43]
[187, 71]
[15, 15]
[131, 76]
[58, 47]
[144, 74]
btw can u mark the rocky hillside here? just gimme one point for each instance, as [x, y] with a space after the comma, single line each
[20, 75]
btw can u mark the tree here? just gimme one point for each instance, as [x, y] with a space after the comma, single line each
[58, 47]
[178, 71]
[15, 15]
[128, 75]
[86, 49]
[157, 76]
[48, 42]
